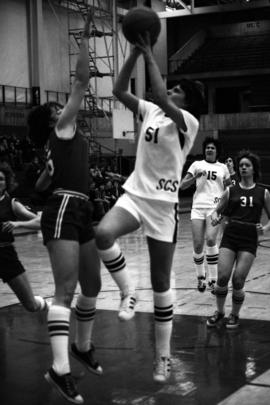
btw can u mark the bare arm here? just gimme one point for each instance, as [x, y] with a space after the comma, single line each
[216, 216]
[264, 228]
[227, 183]
[27, 219]
[43, 182]
[68, 116]
[189, 179]
[158, 86]
[120, 89]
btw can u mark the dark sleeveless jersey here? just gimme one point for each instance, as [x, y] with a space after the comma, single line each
[245, 205]
[67, 163]
[234, 179]
[6, 214]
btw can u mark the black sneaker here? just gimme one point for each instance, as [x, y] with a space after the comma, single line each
[211, 286]
[64, 385]
[232, 321]
[214, 319]
[201, 284]
[87, 359]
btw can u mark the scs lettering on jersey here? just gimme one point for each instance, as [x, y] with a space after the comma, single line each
[168, 185]
[217, 200]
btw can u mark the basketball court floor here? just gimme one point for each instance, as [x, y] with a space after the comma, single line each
[210, 366]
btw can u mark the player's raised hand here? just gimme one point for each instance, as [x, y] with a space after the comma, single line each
[88, 21]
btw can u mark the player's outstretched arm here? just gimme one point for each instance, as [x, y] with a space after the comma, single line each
[80, 83]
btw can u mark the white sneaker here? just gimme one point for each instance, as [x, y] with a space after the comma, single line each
[162, 369]
[127, 306]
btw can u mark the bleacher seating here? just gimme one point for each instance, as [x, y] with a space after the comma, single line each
[229, 54]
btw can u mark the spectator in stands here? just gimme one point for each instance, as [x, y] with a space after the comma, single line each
[168, 130]
[211, 178]
[243, 203]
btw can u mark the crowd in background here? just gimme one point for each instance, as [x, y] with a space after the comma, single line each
[18, 152]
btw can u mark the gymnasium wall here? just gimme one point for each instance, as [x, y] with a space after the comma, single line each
[14, 57]
[55, 48]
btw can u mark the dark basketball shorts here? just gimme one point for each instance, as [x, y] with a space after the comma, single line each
[240, 237]
[69, 217]
[10, 265]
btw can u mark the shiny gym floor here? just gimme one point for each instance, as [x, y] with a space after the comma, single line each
[210, 366]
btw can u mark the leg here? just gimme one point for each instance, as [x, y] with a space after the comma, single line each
[22, 288]
[243, 265]
[90, 282]
[161, 257]
[117, 222]
[225, 265]
[211, 252]
[64, 256]
[198, 231]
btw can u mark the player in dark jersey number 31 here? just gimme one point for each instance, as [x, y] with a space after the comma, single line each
[243, 203]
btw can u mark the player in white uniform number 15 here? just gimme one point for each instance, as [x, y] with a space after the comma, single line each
[169, 127]
[211, 178]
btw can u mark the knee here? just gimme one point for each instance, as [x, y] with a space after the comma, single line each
[238, 282]
[104, 238]
[64, 293]
[222, 280]
[197, 246]
[64, 299]
[211, 241]
[161, 283]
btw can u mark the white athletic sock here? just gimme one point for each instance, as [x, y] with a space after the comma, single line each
[58, 326]
[163, 313]
[198, 259]
[238, 297]
[114, 261]
[212, 261]
[221, 294]
[85, 314]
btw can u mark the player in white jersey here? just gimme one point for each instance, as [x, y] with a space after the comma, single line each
[168, 130]
[211, 178]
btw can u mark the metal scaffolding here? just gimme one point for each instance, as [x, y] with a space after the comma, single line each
[104, 47]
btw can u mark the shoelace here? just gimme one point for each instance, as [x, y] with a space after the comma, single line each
[163, 366]
[70, 386]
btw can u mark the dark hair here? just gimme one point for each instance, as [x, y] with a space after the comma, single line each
[195, 96]
[9, 175]
[253, 158]
[230, 157]
[39, 123]
[210, 139]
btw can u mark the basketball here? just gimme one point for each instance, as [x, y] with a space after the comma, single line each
[137, 21]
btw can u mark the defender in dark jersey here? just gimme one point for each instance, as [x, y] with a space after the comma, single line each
[12, 271]
[243, 203]
[229, 162]
[67, 229]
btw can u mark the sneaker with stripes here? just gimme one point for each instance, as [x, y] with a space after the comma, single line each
[127, 306]
[162, 369]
